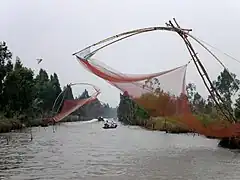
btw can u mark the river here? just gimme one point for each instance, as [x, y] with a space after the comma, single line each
[83, 150]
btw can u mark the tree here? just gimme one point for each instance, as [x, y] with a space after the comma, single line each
[191, 91]
[5, 62]
[22, 94]
[18, 64]
[237, 108]
[129, 112]
[56, 84]
[55, 88]
[126, 109]
[18, 90]
[42, 77]
[43, 92]
[94, 109]
[84, 95]
[109, 111]
[68, 94]
[227, 85]
[9, 66]
[197, 103]
[47, 90]
[90, 110]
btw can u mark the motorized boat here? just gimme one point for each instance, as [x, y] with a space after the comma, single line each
[109, 125]
[100, 118]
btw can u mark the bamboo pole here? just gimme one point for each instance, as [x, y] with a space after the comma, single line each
[203, 75]
[184, 33]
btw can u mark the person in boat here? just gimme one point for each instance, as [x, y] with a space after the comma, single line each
[107, 123]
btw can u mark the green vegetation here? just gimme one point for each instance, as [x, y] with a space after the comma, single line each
[25, 98]
[91, 110]
[130, 112]
[205, 110]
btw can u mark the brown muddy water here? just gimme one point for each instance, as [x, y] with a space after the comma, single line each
[83, 150]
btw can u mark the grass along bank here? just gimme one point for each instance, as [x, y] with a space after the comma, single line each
[166, 124]
[9, 124]
[6, 124]
[22, 121]
[171, 125]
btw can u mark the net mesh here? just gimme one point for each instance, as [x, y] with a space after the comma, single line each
[69, 106]
[162, 94]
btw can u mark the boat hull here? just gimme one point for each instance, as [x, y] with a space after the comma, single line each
[104, 127]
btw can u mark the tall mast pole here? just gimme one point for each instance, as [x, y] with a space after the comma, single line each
[203, 73]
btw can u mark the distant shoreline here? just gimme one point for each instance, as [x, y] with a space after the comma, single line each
[7, 124]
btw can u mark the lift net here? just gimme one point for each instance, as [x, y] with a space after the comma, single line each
[69, 106]
[161, 94]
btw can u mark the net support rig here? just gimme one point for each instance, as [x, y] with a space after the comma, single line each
[86, 54]
[68, 86]
[203, 73]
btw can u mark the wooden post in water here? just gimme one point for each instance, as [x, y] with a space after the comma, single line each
[31, 133]
[7, 138]
[165, 125]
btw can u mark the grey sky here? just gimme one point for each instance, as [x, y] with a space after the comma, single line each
[54, 29]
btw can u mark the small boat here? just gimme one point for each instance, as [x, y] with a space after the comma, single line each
[100, 118]
[109, 125]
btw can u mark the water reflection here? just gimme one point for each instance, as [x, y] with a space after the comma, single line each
[86, 151]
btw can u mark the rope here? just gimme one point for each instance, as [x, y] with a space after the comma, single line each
[170, 27]
[226, 54]
[216, 58]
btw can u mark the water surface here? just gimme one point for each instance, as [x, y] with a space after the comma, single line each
[83, 150]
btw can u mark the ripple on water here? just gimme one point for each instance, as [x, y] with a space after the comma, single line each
[86, 151]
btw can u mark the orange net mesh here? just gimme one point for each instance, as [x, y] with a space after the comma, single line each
[69, 106]
[162, 94]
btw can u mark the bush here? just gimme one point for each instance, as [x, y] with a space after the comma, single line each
[166, 124]
[7, 125]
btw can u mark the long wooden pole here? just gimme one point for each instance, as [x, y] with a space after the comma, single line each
[205, 77]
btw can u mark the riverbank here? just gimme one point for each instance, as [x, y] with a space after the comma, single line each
[230, 143]
[9, 124]
[171, 126]
[167, 125]
[154, 124]
[6, 125]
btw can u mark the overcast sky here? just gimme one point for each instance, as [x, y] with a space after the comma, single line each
[54, 29]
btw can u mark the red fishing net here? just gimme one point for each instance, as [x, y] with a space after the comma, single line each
[69, 106]
[161, 94]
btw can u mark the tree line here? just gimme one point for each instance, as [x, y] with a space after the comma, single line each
[27, 96]
[227, 86]
[139, 110]
[90, 110]
[22, 94]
